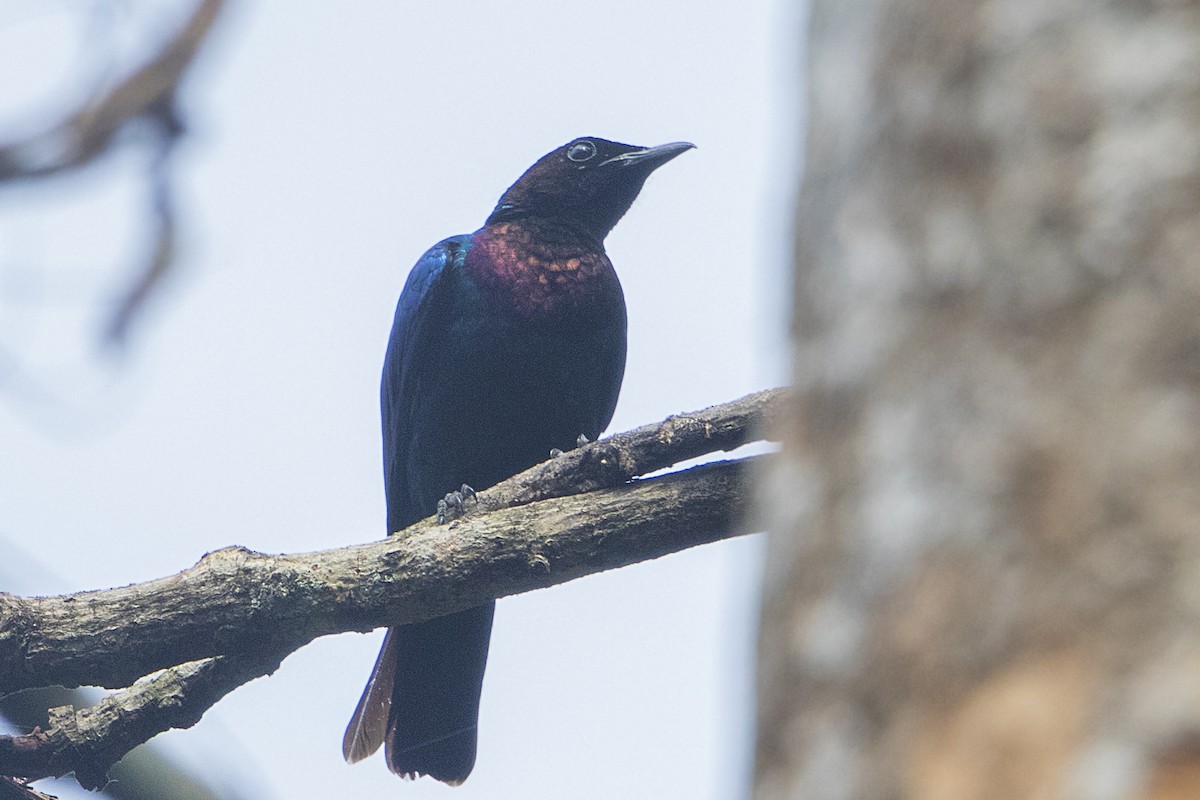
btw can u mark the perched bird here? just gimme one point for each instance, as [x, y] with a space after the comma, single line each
[507, 343]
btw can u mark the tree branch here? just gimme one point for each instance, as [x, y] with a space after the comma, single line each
[619, 458]
[88, 742]
[15, 789]
[236, 601]
[250, 610]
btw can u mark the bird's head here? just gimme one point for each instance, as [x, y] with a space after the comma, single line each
[588, 182]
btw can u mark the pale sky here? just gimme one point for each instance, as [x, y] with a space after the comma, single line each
[329, 148]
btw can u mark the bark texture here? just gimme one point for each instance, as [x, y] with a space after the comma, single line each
[238, 602]
[985, 578]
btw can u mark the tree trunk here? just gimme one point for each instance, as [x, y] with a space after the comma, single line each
[985, 576]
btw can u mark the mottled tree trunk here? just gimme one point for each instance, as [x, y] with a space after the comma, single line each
[985, 577]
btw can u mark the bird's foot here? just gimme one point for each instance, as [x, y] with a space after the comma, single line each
[453, 505]
[580, 441]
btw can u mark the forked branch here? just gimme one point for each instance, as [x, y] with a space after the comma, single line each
[236, 614]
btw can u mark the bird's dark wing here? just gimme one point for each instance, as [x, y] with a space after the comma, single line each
[411, 361]
[419, 315]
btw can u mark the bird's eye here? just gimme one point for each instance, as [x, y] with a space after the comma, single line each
[581, 151]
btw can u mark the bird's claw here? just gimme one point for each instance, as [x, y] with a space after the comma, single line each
[453, 505]
[580, 441]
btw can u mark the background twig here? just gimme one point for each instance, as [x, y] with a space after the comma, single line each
[145, 96]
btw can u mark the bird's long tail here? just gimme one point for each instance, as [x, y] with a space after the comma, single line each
[429, 718]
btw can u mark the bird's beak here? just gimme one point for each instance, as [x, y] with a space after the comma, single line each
[649, 158]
